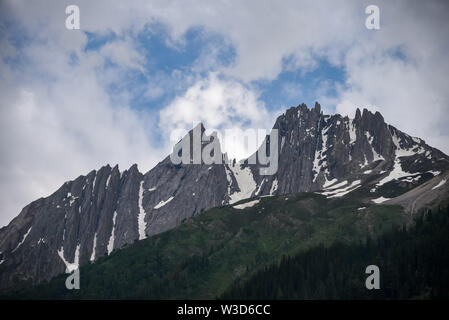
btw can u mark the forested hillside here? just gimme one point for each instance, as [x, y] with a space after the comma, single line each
[413, 262]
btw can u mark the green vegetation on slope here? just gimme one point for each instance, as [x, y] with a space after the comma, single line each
[414, 264]
[201, 258]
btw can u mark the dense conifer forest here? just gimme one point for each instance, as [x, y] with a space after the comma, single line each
[413, 263]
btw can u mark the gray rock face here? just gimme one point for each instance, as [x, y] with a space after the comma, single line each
[320, 152]
[107, 209]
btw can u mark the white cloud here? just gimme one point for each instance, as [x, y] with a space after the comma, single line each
[401, 71]
[58, 120]
[123, 53]
[220, 104]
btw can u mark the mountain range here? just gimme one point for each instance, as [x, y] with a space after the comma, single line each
[328, 156]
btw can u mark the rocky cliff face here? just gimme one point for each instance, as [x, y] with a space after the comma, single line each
[107, 209]
[321, 152]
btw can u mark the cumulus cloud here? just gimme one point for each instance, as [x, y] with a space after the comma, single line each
[58, 119]
[220, 104]
[123, 53]
[401, 71]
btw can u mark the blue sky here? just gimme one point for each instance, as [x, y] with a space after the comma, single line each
[176, 62]
[294, 87]
[114, 91]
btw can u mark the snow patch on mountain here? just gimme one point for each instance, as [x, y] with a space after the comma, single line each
[376, 156]
[245, 182]
[274, 186]
[112, 237]
[92, 256]
[319, 161]
[260, 187]
[394, 174]
[93, 184]
[163, 203]
[23, 240]
[246, 204]
[341, 192]
[365, 162]
[401, 152]
[338, 185]
[439, 184]
[141, 218]
[71, 198]
[397, 171]
[352, 132]
[412, 178]
[70, 266]
[380, 200]
[329, 183]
